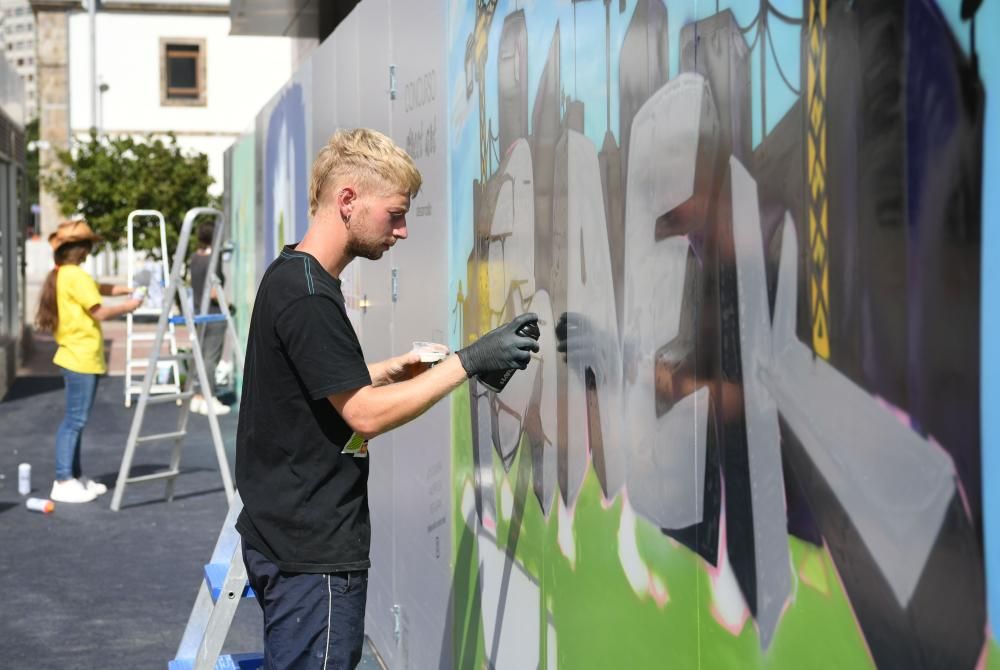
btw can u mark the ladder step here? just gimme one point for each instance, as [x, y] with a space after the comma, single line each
[201, 318]
[147, 315]
[215, 578]
[165, 474]
[250, 661]
[166, 358]
[136, 389]
[169, 397]
[149, 337]
[161, 436]
[140, 363]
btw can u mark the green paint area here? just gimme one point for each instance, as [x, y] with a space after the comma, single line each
[671, 616]
[243, 231]
[992, 660]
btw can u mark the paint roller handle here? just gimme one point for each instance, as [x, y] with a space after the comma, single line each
[505, 348]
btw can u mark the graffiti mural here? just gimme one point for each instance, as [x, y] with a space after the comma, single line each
[286, 191]
[752, 234]
[757, 236]
[243, 235]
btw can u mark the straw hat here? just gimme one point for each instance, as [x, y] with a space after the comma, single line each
[72, 231]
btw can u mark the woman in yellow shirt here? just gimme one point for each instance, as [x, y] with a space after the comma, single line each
[70, 307]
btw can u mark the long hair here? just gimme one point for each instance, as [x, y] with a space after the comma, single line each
[71, 253]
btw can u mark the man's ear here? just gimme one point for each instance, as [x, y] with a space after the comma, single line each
[346, 199]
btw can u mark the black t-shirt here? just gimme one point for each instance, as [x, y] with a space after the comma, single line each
[305, 504]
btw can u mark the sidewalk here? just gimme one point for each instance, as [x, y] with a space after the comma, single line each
[85, 587]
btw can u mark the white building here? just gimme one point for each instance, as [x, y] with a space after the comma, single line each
[153, 67]
[179, 71]
[18, 42]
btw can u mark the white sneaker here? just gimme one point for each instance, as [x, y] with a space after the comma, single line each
[219, 407]
[200, 406]
[97, 488]
[71, 491]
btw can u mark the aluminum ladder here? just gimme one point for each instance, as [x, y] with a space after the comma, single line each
[223, 587]
[187, 318]
[135, 334]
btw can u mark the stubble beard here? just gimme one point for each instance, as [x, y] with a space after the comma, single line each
[370, 249]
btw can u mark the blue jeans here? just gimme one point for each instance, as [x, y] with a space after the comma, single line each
[80, 391]
[311, 621]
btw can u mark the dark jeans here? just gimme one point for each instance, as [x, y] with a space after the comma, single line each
[80, 391]
[310, 620]
[213, 339]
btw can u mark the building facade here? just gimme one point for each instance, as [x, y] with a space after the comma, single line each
[12, 209]
[18, 43]
[142, 68]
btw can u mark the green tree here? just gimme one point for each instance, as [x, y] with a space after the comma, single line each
[106, 178]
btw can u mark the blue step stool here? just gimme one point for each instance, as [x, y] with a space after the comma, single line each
[223, 586]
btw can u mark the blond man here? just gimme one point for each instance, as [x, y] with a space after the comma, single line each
[311, 403]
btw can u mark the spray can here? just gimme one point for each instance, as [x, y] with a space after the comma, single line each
[496, 380]
[24, 479]
[40, 505]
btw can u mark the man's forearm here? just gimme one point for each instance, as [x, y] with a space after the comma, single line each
[379, 372]
[375, 409]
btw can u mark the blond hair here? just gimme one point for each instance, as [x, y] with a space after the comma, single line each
[369, 158]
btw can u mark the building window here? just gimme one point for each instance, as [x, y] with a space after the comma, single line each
[182, 72]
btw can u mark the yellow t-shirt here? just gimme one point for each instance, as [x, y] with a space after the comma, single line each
[81, 344]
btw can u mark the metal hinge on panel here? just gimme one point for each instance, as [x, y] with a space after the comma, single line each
[392, 82]
[397, 630]
[395, 285]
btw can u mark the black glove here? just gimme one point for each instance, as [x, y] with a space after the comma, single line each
[500, 349]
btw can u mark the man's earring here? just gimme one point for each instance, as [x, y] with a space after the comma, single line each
[347, 220]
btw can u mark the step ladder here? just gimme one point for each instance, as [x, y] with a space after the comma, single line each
[156, 283]
[174, 290]
[223, 587]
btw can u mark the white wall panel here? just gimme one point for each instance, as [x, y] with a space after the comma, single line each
[363, 65]
[423, 447]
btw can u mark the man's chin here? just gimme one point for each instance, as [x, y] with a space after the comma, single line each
[372, 253]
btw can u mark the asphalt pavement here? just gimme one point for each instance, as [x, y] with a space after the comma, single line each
[85, 587]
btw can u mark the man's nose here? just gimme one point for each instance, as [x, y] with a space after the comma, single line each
[399, 232]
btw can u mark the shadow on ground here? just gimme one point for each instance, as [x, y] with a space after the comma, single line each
[25, 387]
[85, 587]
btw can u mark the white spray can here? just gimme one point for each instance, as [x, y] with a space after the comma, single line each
[24, 478]
[42, 505]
